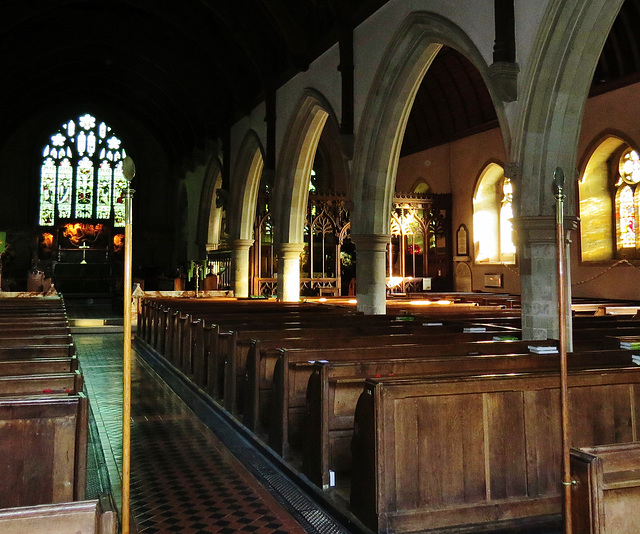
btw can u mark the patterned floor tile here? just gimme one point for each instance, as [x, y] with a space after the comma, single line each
[182, 478]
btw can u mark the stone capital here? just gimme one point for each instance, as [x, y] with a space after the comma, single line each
[372, 242]
[541, 229]
[512, 171]
[242, 244]
[289, 250]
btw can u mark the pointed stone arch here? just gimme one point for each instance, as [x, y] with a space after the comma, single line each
[296, 161]
[291, 189]
[209, 214]
[246, 183]
[381, 132]
[246, 179]
[570, 40]
[572, 36]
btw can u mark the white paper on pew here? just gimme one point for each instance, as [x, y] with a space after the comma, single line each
[470, 329]
[635, 359]
[431, 324]
[543, 349]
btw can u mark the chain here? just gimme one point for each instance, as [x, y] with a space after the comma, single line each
[512, 269]
[619, 262]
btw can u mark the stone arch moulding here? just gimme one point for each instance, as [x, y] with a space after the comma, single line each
[596, 143]
[568, 45]
[206, 211]
[387, 109]
[246, 183]
[295, 163]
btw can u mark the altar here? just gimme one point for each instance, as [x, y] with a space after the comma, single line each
[82, 257]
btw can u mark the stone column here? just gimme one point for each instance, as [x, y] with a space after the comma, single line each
[537, 238]
[371, 272]
[240, 263]
[289, 271]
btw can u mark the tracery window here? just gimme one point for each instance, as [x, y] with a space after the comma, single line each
[492, 217]
[609, 201]
[81, 174]
[627, 193]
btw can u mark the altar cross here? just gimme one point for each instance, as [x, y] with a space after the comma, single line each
[84, 248]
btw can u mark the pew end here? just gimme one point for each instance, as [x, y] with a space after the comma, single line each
[80, 517]
[606, 493]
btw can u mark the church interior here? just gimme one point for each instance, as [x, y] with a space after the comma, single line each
[378, 258]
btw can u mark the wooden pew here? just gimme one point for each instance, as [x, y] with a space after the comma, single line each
[450, 452]
[156, 311]
[179, 335]
[192, 343]
[22, 330]
[334, 389]
[34, 366]
[606, 496]
[35, 339]
[80, 517]
[47, 384]
[264, 354]
[42, 351]
[46, 439]
[234, 347]
[293, 367]
[45, 320]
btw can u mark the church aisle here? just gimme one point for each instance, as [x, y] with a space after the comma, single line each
[183, 479]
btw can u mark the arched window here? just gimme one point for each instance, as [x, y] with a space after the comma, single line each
[627, 192]
[492, 217]
[81, 174]
[609, 195]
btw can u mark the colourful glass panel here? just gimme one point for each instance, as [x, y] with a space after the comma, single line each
[65, 188]
[630, 167]
[119, 185]
[84, 178]
[626, 218]
[47, 193]
[84, 188]
[104, 193]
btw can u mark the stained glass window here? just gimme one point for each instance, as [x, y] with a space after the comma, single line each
[81, 173]
[627, 192]
[626, 218]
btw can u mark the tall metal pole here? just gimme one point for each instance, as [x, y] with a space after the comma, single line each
[128, 169]
[558, 180]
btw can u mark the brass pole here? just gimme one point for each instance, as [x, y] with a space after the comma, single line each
[129, 172]
[562, 312]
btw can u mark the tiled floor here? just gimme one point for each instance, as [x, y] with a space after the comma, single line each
[183, 479]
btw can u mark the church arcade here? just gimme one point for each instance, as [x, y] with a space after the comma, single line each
[241, 199]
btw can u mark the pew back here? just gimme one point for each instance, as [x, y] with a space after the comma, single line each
[45, 439]
[495, 442]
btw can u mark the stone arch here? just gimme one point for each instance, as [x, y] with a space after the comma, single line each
[209, 214]
[570, 40]
[246, 178]
[291, 189]
[295, 164]
[380, 135]
[572, 35]
[387, 109]
[595, 145]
